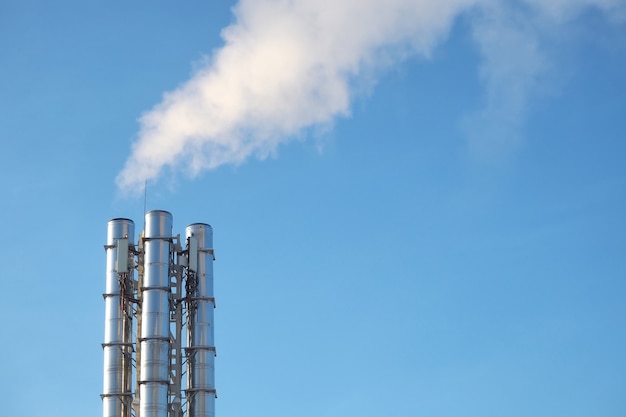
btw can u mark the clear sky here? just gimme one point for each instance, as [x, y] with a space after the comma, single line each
[419, 207]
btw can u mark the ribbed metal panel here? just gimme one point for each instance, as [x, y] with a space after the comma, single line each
[116, 395]
[155, 332]
[201, 349]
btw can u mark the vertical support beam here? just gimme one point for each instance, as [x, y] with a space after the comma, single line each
[117, 346]
[138, 287]
[176, 322]
[201, 392]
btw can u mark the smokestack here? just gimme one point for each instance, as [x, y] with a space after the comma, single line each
[172, 282]
[201, 350]
[155, 315]
[118, 319]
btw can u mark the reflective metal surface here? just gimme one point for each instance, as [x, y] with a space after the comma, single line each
[116, 394]
[155, 333]
[201, 349]
[153, 400]
[155, 364]
[155, 309]
[174, 284]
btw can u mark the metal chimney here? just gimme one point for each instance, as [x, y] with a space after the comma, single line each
[201, 350]
[155, 315]
[117, 346]
[150, 316]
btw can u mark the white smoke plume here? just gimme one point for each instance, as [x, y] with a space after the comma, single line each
[287, 65]
[519, 43]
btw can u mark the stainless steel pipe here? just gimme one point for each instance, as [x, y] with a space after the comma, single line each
[159, 303]
[155, 310]
[117, 346]
[201, 348]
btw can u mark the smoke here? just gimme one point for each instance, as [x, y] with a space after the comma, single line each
[520, 43]
[288, 65]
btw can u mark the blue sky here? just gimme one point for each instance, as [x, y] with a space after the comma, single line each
[447, 239]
